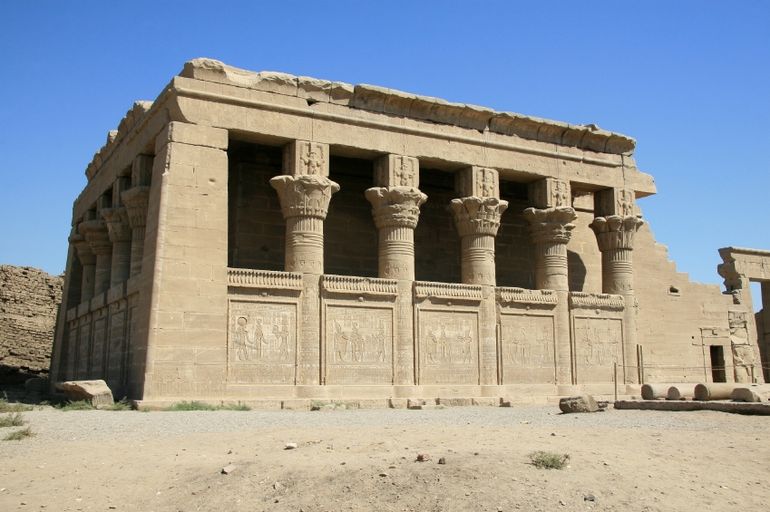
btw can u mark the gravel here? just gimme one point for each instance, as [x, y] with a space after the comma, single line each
[61, 426]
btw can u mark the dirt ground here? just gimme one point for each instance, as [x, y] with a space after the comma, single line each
[365, 460]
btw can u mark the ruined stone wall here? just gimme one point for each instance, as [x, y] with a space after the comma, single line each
[678, 319]
[29, 300]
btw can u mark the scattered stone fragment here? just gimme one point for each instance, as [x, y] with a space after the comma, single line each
[383, 473]
[423, 457]
[581, 403]
[96, 392]
[277, 486]
[290, 446]
[589, 497]
[442, 460]
[228, 469]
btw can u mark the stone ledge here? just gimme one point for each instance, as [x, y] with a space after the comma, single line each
[270, 279]
[352, 285]
[508, 295]
[596, 301]
[428, 289]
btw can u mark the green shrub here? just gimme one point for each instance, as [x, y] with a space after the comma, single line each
[13, 407]
[202, 406]
[78, 405]
[548, 460]
[12, 420]
[19, 435]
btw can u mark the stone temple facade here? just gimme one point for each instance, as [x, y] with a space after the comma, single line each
[267, 238]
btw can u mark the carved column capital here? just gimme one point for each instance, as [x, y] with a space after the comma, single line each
[551, 225]
[96, 234]
[304, 195]
[477, 215]
[82, 247]
[616, 232]
[395, 206]
[136, 200]
[116, 220]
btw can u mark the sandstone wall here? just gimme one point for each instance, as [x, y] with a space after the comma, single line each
[29, 299]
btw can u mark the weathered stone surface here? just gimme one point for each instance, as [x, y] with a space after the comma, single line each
[582, 403]
[95, 392]
[29, 299]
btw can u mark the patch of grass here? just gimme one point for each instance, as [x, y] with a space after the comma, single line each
[202, 406]
[548, 460]
[19, 435]
[14, 419]
[122, 405]
[5, 406]
[78, 405]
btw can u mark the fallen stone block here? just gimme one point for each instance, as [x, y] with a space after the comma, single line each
[751, 394]
[581, 403]
[714, 391]
[680, 392]
[96, 392]
[655, 391]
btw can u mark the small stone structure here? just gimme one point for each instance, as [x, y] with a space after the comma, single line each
[262, 236]
[29, 301]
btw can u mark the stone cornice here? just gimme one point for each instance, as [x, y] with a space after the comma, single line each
[424, 108]
[510, 295]
[269, 279]
[426, 289]
[353, 285]
[596, 301]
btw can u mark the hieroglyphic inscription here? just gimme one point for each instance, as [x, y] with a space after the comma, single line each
[527, 348]
[598, 344]
[448, 347]
[261, 342]
[359, 345]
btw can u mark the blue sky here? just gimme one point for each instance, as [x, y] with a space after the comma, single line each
[690, 80]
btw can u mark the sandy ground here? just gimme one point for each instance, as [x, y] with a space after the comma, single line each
[365, 460]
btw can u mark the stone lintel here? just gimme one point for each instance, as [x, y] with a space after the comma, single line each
[193, 134]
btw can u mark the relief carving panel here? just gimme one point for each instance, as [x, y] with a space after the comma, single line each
[449, 347]
[527, 348]
[598, 343]
[359, 345]
[261, 342]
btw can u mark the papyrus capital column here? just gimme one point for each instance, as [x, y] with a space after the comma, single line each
[477, 218]
[615, 235]
[119, 233]
[304, 204]
[551, 230]
[136, 200]
[95, 233]
[396, 211]
[87, 261]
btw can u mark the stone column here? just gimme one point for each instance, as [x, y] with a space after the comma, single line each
[95, 233]
[119, 232]
[305, 192]
[615, 232]
[551, 228]
[396, 202]
[136, 200]
[477, 218]
[87, 261]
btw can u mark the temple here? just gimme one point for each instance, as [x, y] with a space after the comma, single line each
[273, 239]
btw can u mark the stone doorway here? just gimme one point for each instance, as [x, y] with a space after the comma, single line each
[718, 373]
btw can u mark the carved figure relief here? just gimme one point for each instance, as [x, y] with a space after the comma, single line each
[261, 342]
[359, 345]
[449, 347]
[744, 357]
[598, 344]
[626, 200]
[527, 351]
